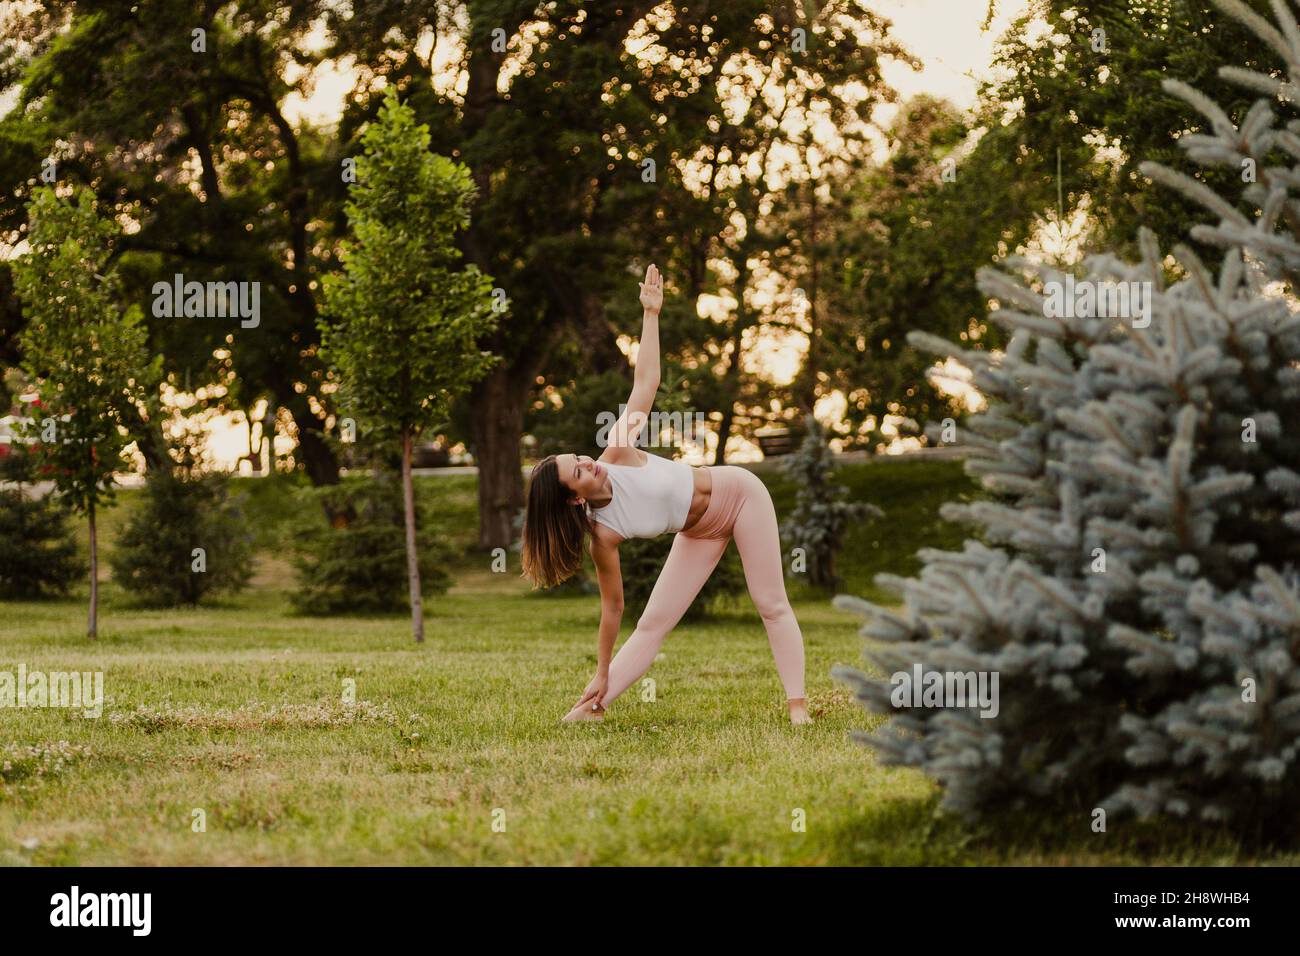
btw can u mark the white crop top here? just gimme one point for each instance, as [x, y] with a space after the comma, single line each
[648, 500]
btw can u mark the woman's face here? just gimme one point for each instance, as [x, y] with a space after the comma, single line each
[582, 475]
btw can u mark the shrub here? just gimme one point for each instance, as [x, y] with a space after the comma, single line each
[821, 516]
[641, 560]
[38, 551]
[187, 539]
[355, 560]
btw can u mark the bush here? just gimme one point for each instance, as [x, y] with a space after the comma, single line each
[187, 539]
[355, 560]
[38, 551]
[821, 516]
[641, 560]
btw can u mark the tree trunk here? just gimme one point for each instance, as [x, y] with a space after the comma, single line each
[724, 435]
[412, 556]
[269, 421]
[317, 456]
[807, 393]
[501, 399]
[92, 628]
[313, 452]
[731, 377]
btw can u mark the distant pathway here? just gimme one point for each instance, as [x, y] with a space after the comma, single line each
[41, 488]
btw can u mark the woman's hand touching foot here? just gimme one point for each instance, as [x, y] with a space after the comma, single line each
[588, 710]
[589, 705]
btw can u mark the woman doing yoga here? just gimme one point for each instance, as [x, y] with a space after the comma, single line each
[574, 500]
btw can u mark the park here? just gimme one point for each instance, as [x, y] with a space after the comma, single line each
[649, 435]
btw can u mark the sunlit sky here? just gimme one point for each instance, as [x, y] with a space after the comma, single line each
[946, 36]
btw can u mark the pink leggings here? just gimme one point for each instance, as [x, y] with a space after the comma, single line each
[739, 507]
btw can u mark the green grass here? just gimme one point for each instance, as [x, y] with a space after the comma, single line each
[237, 710]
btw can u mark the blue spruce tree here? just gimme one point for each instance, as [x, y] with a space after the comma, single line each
[1135, 584]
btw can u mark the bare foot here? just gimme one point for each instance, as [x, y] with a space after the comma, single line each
[799, 711]
[587, 711]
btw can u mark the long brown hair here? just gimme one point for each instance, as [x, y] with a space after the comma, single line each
[554, 530]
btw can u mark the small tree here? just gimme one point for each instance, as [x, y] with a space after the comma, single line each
[88, 357]
[187, 538]
[402, 318]
[821, 515]
[38, 553]
[348, 550]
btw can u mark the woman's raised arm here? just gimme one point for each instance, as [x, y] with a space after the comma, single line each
[645, 382]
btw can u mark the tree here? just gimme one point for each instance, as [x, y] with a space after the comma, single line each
[402, 317]
[959, 190]
[187, 538]
[350, 552]
[1107, 59]
[908, 235]
[192, 142]
[86, 354]
[820, 517]
[38, 554]
[1137, 591]
[204, 151]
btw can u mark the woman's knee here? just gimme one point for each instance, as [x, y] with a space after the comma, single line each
[773, 609]
[653, 622]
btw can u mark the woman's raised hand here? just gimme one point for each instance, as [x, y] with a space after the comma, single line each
[652, 290]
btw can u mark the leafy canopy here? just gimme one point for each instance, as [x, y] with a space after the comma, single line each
[403, 317]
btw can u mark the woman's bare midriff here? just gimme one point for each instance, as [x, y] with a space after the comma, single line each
[700, 499]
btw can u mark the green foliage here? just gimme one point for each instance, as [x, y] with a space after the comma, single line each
[154, 555]
[89, 359]
[641, 560]
[38, 551]
[821, 515]
[1115, 98]
[356, 560]
[906, 241]
[403, 317]
[571, 426]
[233, 190]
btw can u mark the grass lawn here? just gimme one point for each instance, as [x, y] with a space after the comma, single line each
[453, 752]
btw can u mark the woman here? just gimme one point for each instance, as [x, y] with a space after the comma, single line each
[628, 493]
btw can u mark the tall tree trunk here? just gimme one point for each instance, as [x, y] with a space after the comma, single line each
[269, 422]
[317, 456]
[807, 393]
[412, 555]
[731, 377]
[730, 391]
[501, 400]
[92, 627]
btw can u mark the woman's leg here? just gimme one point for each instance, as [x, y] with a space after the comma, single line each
[689, 564]
[759, 543]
